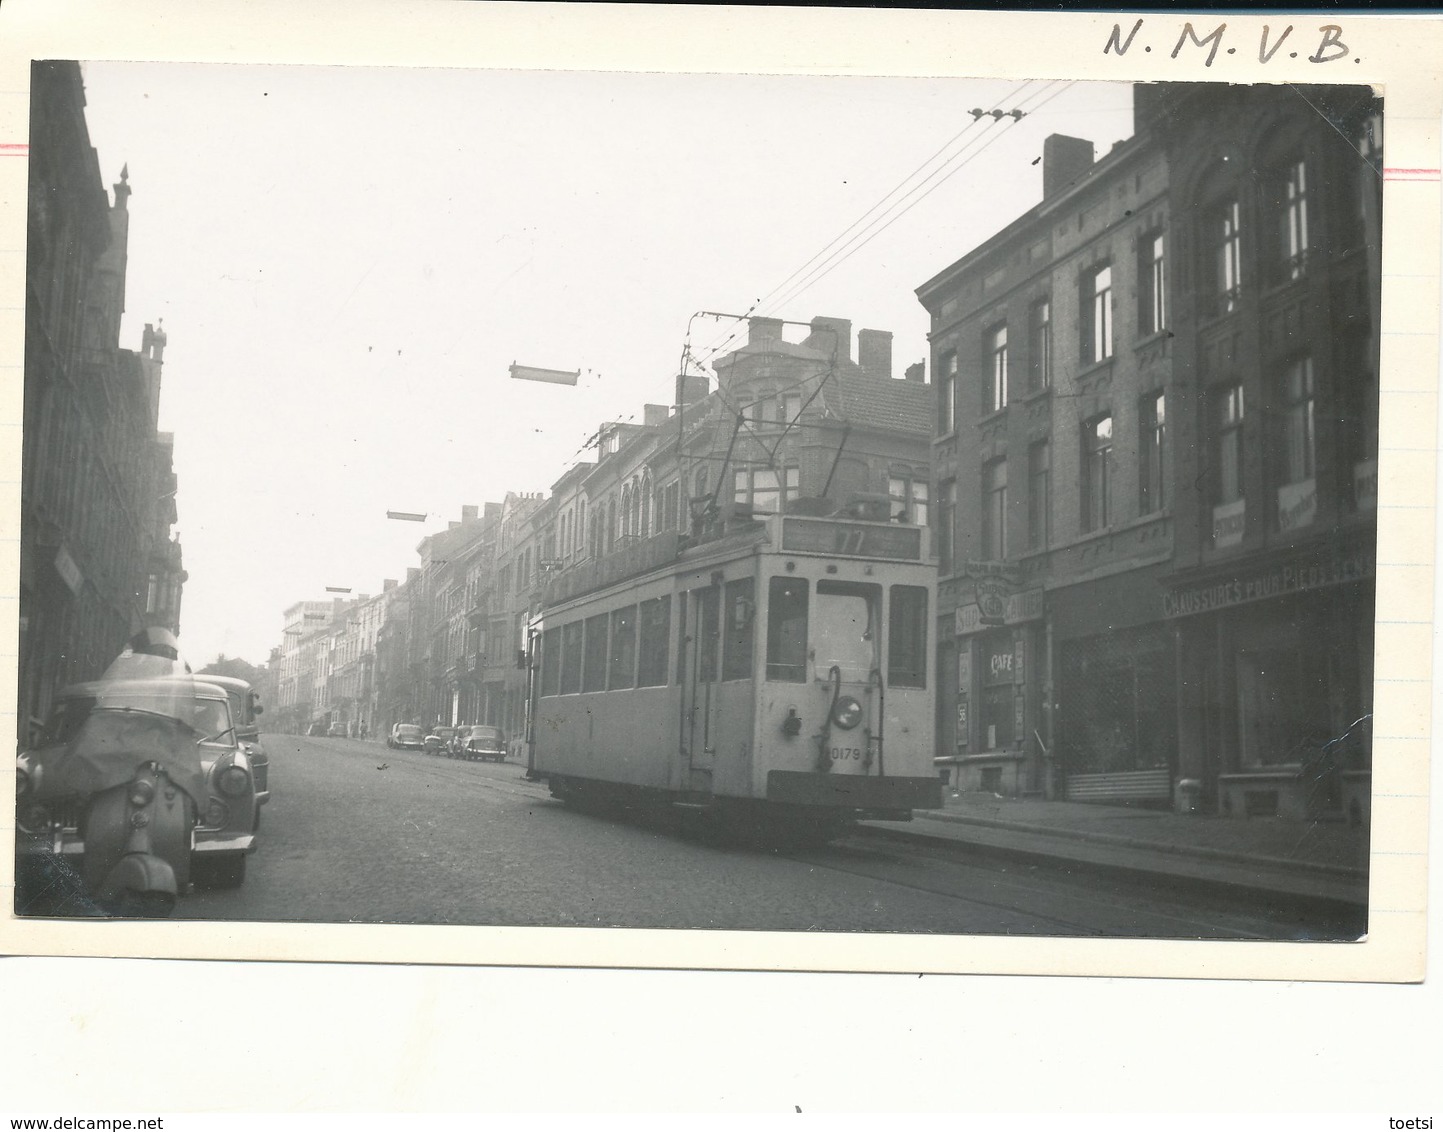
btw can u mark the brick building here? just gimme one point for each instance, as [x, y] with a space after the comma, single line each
[97, 559]
[1156, 439]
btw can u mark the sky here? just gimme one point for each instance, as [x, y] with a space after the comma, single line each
[347, 261]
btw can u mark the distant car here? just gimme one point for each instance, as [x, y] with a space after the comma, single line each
[317, 728]
[245, 706]
[488, 743]
[439, 740]
[337, 731]
[406, 735]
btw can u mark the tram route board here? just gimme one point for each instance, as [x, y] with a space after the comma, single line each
[863, 540]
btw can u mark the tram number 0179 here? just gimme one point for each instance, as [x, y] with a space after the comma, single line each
[841, 753]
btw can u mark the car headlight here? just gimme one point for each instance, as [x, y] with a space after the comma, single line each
[35, 819]
[233, 781]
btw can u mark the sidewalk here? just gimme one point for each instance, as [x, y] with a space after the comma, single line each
[1313, 860]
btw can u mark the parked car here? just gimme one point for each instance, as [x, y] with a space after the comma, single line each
[407, 735]
[225, 822]
[488, 743]
[317, 728]
[439, 740]
[337, 731]
[245, 708]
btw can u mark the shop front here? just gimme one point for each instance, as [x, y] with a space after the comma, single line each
[1276, 677]
[999, 733]
[1115, 705]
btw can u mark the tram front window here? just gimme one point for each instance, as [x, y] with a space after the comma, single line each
[844, 629]
[787, 630]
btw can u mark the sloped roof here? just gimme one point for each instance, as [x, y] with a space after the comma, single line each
[887, 404]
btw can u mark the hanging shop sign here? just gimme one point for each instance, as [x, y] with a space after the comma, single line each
[1017, 609]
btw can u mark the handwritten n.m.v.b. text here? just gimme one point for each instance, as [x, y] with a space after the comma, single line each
[1331, 47]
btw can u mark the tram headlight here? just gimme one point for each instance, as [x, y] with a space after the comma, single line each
[792, 725]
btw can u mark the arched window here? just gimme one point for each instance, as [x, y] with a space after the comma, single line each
[643, 523]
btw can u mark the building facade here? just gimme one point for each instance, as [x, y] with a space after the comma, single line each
[1155, 450]
[97, 558]
[1276, 210]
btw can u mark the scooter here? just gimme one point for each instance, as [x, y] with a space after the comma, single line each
[130, 773]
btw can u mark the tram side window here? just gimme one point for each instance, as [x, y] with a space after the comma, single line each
[844, 629]
[787, 630]
[551, 662]
[708, 629]
[654, 618]
[593, 673]
[571, 658]
[741, 608]
[623, 648]
[907, 638]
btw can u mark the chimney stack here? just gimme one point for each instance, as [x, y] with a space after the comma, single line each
[690, 388]
[874, 353]
[917, 372]
[653, 415]
[493, 511]
[763, 330]
[412, 573]
[1065, 161]
[388, 585]
[832, 336]
[468, 512]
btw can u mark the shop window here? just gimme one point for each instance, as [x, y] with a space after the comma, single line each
[1152, 284]
[1039, 345]
[1097, 473]
[1152, 450]
[997, 721]
[787, 630]
[994, 510]
[622, 669]
[739, 608]
[947, 393]
[997, 369]
[1283, 706]
[593, 672]
[907, 637]
[655, 629]
[1097, 315]
[1117, 701]
[1039, 495]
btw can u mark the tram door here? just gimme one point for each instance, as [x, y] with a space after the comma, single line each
[700, 701]
[846, 659]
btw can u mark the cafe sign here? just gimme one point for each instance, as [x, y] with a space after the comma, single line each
[1297, 575]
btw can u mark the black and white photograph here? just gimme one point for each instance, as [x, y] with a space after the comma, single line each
[592, 558]
[759, 503]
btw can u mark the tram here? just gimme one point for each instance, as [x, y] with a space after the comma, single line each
[778, 674]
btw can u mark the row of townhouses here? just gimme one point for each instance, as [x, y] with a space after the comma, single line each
[98, 559]
[1148, 453]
